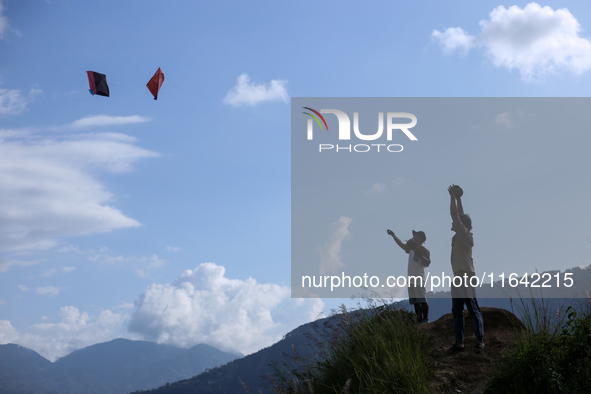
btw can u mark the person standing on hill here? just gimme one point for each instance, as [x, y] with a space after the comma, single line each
[418, 259]
[463, 266]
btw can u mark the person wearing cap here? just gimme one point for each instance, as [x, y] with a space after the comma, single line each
[463, 266]
[418, 259]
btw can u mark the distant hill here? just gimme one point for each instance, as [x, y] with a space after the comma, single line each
[226, 379]
[114, 367]
[23, 370]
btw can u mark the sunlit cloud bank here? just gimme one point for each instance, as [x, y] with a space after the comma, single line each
[200, 306]
[203, 306]
[534, 40]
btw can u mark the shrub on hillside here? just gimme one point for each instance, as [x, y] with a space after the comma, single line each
[372, 350]
[543, 361]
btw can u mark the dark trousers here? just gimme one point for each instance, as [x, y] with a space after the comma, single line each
[457, 310]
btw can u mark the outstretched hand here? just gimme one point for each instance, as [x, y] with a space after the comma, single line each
[452, 190]
[390, 232]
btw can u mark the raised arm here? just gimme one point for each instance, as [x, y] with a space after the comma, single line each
[460, 207]
[398, 241]
[453, 205]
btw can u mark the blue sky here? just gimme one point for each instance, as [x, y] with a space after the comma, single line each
[169, 220]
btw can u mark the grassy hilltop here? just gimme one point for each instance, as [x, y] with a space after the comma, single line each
[384, 351]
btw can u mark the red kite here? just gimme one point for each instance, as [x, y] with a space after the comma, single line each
[155, 83]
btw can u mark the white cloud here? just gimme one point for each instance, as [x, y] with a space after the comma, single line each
[454, 38]
[250, 93]
[330, 253]
[153, 263]
[203, 306]
[375, 189]
[3, 21]
[6, 263]
[107, 120]
[105, 258]
[74, 331]
[69, 249]
[173, 249]
[8, 333]
[504, 119]
[34, 93]
[50, 291]
[49, 190]
[53, 271]
[156, 262]
[23, 287]
[16, 133]
[534, 40]
[12, 102]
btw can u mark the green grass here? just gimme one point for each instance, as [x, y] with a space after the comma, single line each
[380, 350]
[554, 356]
[371, 350]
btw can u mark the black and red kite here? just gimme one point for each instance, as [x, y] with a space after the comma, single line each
[155, 83]
[98, 84]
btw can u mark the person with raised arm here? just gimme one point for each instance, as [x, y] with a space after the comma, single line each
[418, 259]
[463, 266]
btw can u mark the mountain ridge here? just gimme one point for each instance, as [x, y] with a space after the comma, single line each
[114, 367]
